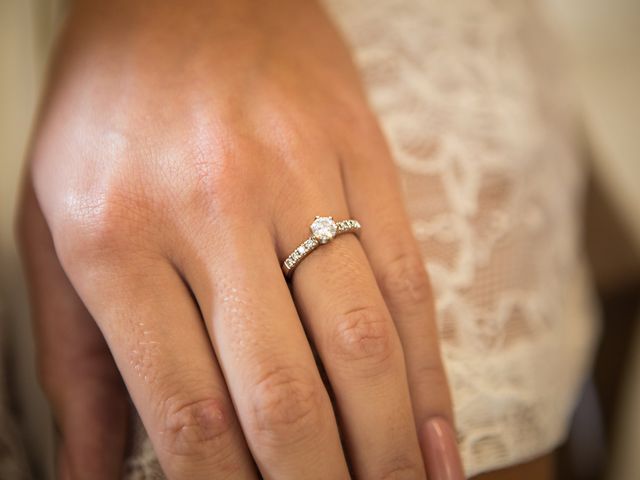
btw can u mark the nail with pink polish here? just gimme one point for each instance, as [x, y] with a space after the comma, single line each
[441, 450]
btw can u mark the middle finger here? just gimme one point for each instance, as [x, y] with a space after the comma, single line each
[269, 368]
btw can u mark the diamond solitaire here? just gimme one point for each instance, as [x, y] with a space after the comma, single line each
[323, 230]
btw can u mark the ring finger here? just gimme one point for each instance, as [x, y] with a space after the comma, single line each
[345, 314]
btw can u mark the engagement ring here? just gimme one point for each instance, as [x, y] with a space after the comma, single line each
[323, 230]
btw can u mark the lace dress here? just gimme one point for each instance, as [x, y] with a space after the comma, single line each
[479, 118]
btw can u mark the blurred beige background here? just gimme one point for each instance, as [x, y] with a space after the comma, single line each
[26, 27]
[603, 37]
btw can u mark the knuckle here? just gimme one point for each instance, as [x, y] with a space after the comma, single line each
[219, 180]
[405, 281]
[401, 468]
[94, 225]
[196, 428]
[285, 406]
[363, 335]
[431, 375]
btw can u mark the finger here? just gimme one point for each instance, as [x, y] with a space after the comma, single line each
[352, 329]
[401, 274]
[281, 401]
[158, 341]
[78, 374]
[375, 199]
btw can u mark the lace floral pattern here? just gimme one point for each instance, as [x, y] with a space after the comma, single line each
[479, 120]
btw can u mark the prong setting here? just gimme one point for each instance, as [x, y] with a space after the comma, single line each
[324, 229]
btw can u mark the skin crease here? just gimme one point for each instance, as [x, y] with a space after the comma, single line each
[180, 153]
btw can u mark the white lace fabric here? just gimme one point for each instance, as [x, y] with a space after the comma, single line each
[479, 119]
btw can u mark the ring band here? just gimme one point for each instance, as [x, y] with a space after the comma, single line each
[323, 230]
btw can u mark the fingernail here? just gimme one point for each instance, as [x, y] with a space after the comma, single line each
[441, 451]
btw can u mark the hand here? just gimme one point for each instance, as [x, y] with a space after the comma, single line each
[181, 153]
